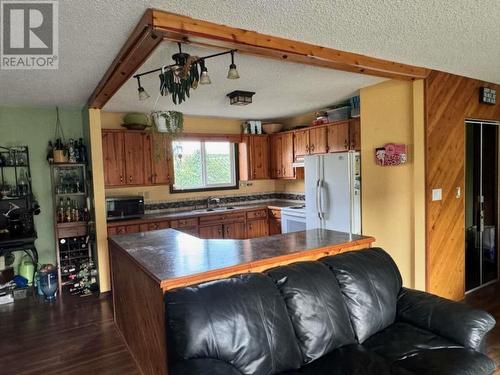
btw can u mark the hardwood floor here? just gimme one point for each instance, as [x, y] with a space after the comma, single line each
[488, 299]
[77, 336]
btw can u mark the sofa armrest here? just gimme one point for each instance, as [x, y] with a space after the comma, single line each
[204, 366]
[455, 321]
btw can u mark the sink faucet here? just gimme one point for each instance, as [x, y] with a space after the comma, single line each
[213, 200]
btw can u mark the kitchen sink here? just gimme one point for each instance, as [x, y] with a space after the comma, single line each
[217, 209]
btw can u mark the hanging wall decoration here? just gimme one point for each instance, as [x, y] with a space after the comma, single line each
[391, 154]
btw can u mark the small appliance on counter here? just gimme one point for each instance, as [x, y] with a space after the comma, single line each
[125, 207]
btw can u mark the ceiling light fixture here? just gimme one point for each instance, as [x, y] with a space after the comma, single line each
[184, 74]
[233, 72]
[204, 78]
[239, 97]
[143, 95]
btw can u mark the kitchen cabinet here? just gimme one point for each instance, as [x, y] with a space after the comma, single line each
[310, 141]
[338, 137]
[162, 162]
[235, 231]
[211, 232]
[318, 140]
[355, 134]
[282, 156]
[123, 229]
[274, 222]
[301, 142]
[113, 158]
[257, 228]
[254, 157]
[127, 158]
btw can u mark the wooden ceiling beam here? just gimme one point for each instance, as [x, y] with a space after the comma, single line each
[157, 25]
[136, 50]
[183, 28]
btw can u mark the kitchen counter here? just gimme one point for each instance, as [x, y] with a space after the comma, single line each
[146, 265]
[274, 205]
[169, 255]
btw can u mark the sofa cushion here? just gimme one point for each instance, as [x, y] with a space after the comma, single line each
[403, 339]
[316, 307]
[370, 282]
[447, 361]
[241, 320]
[351, 360]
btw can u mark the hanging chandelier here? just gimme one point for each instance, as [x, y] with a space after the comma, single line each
[186, 73]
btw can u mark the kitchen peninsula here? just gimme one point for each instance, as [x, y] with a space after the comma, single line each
[146, 265]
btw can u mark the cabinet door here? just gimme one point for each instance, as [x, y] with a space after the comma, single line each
[301, 143]
[162, 158]
[211, 232]
[287, 155]
[259, 160]
[147, 157]
[113, 158]
[318, 140]
[274, 226]
[355, 134]
[276, 163]
[235, 231]
[257, 228]
[338, 137]
[136, 228]
[134, 158]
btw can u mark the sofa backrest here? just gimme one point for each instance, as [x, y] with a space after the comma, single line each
[316, 307]
[370, 282]
[242, 320]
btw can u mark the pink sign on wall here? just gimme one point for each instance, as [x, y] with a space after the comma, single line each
[391, 154]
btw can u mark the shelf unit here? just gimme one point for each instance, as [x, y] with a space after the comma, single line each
[73, 244]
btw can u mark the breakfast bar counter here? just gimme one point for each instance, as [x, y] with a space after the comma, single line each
[146, 265]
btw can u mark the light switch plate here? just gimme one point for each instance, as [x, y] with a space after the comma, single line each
[437, 194]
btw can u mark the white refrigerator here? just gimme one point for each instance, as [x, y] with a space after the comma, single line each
[333, 191]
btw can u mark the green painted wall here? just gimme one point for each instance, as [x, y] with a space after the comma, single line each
[34, 127]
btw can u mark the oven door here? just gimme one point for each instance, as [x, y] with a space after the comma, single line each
[292, 223]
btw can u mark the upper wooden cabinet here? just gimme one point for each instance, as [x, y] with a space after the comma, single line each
[310, 141]
[282, 156]
[129, 159]
[113, 158]
[254, 157]
[355, 134]
[338, 137]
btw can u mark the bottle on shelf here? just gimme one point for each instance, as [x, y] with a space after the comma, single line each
[60, 211]
[68, 211]
[50, 152]
[82, 151]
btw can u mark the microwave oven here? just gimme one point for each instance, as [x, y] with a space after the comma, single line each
[118, 208]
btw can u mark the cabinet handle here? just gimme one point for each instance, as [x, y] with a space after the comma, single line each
[346, 144]
[130, 178]
[121, 179]
[284, 171]
[312, 147]
[250, 226]
[307, 148]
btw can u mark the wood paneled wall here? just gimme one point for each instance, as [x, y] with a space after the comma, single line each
[450, 99]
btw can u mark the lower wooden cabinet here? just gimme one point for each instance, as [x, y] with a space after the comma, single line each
[235, 231]
[274, 222]
[211, 232]
[257, 228]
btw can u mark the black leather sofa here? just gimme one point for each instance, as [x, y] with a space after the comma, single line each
[345, 314]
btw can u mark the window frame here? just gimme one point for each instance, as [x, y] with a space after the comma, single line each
[235, 173]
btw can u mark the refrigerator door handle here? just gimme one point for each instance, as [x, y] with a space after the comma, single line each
[321, 208]
[318, 206]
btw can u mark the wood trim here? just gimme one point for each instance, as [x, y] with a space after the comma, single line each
[235, 138]
[182, 28]
[156, 25]
[138, 47]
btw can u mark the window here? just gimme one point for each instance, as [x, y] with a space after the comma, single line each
[202, 165]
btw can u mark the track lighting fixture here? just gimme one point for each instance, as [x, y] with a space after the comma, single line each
[143, 95]
[233, 72]
[204, 78]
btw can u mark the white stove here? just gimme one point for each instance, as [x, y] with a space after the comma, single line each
[293, 219]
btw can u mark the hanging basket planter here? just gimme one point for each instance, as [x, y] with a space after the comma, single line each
[171, 122]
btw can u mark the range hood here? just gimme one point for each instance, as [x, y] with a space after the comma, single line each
[298, 162]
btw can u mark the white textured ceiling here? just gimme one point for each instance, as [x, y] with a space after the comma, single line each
[458, 36]
[282, 88]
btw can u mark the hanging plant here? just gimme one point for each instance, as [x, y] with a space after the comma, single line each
[168, 125]
[178, 80]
